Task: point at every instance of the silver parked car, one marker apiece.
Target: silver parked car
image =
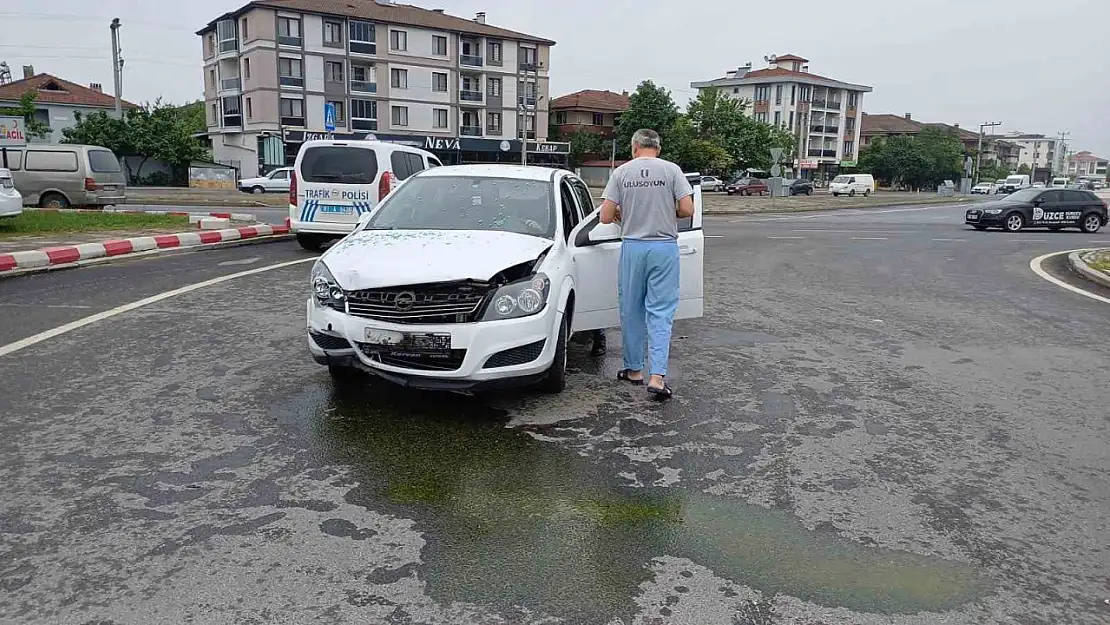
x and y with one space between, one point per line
712 183
276 181
59 176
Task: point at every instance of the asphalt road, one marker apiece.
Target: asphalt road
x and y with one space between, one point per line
883 418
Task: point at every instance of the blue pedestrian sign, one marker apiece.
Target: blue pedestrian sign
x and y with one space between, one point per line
329 117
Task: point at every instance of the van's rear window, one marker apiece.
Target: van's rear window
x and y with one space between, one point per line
339 165
103 161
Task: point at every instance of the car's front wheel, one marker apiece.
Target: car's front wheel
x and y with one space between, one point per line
852 193
258 190
1014 222
1091 223
555 380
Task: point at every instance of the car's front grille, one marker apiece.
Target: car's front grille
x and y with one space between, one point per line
454 302
422 361
516 355
329 341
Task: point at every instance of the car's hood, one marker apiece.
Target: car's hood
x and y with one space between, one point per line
380 258
252 180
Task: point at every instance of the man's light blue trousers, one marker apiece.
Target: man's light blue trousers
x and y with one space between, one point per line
647 285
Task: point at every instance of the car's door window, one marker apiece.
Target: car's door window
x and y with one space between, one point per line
570 208
686 224
281 174
400 165
1050 198
416 163
433 162
585 200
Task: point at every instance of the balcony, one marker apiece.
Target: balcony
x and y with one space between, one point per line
364 86
296 122
363 47
363 124
229 45
834 104
289 40
832 130
233 119
230 84
471 60
470 131
817 103
471 96
824 153
291 81
529 100
529 66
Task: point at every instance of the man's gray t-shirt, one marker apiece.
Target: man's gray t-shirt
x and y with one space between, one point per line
647 191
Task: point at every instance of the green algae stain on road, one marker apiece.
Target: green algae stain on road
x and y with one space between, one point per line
511 521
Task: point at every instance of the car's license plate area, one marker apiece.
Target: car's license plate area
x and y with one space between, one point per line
335 209
394 342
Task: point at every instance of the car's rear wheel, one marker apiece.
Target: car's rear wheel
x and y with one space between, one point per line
809 191
866 192
1014 222
53 200
852 193
555 380
258 190
310 242
1091 223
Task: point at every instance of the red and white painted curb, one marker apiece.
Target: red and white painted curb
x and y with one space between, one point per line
232 216
73 253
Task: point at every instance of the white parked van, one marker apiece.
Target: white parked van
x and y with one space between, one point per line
1015 183
852 184
334 182
1060 183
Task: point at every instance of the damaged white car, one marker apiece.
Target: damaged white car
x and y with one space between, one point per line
474 276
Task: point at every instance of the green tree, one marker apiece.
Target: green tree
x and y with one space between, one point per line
584 143
650 106
1024 169
160 131
722 121
989 171
33 128
917 162
694 153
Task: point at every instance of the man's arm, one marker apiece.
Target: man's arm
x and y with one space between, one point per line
610 212
610 207
685 207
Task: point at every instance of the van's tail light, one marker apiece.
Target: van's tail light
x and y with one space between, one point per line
90 184
292 187
385 185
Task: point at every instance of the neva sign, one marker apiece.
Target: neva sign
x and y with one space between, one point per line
12 132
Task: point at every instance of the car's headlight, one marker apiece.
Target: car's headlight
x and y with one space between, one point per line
324 287
993 211
519 299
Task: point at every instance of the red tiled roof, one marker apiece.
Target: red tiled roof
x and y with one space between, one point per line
54 90
882 124
1086 156
392 13
791 57
591 100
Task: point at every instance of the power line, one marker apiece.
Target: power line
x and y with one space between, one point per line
61 17
130 59
48 47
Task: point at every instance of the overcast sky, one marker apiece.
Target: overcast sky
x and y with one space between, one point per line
1035 66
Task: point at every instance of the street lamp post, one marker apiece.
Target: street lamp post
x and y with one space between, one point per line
979 154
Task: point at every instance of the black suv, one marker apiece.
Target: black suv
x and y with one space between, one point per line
1054 209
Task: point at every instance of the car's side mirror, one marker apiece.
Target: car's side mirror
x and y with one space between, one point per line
1038 202
602 233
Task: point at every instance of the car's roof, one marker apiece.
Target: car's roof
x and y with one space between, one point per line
520 172
361 143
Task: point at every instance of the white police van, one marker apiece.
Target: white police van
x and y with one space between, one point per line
334 182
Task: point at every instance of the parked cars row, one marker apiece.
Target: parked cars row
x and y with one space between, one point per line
60 176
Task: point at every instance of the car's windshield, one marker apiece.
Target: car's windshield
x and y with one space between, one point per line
841 179
1014 180
1025 195
469 203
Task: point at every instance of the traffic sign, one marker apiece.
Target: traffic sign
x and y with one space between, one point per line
13 134
776 171
329 116
776 154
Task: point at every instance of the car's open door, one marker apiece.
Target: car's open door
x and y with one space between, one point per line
595 249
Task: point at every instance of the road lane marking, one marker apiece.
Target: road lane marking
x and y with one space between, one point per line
714 236
9 305
244 261
869 238
857 231
1028 240
1035 265
1099 242
785 237
849 212
950 240
35 339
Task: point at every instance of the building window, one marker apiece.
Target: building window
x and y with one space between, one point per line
763 93
470 125
399 78
493 123
530 123
333 33
849 149
494 86
211 44
364 114
289 31
804 93
225 32
333 71
778 94
399 116
471 85
849 124
599 119
560 117
778 118
439 82
340 118
398 40
214 119
736 89
212 78
761 117
362 36
853 99
232 115
243 32
495 51
793 91
439 45
291 72
250 109
439 118
362 79
291 111
791 119
246 69
528 59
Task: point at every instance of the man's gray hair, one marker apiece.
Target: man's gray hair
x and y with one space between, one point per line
647 138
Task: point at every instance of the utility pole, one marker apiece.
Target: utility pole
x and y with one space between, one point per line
116 66
1061 153
979 154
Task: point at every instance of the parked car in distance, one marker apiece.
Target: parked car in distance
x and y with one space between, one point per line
852 185
799 186
334 182
1038 185
1060 183
276 181
1054 209
747 186
983 188
712 183
998 185
473 277
64 175
11 202
1013 183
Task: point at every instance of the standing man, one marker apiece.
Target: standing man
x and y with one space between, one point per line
647 196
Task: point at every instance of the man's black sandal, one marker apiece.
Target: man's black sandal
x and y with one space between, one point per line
660 394
623 375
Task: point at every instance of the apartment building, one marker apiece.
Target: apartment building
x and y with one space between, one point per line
822 113
1086 165
589 110
1039 152
467 90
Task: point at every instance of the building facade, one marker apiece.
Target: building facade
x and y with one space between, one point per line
1039 152
469 91
589 110
1086 165
58 103
822 113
